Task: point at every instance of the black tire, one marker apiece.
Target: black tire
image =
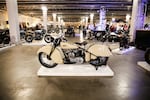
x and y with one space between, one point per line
103 39
6 40
110 39
29 38
147 56
46 61
48 38
1 40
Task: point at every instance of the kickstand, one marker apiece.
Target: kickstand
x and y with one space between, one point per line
96 67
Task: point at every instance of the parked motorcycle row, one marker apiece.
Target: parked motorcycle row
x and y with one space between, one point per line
30 35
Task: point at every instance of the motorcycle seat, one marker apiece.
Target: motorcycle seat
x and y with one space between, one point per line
81 43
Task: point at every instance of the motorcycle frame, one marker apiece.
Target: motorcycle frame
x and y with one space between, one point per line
63 56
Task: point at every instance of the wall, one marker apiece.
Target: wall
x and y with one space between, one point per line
3 19
32 21
22 18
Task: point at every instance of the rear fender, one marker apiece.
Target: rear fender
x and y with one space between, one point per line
98 50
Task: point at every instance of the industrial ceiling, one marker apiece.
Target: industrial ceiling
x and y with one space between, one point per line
74 10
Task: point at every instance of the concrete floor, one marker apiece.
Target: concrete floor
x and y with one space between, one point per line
19 80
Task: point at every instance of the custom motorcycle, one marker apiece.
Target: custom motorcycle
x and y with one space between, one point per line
59 52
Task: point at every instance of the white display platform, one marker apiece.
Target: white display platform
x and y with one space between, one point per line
118 51
36 42
6 47
75 70
144 65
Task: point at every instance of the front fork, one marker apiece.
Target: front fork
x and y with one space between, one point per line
53 48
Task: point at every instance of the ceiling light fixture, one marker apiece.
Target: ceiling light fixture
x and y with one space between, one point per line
54 14
91 15
113 19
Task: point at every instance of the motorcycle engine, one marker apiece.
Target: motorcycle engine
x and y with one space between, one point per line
74 56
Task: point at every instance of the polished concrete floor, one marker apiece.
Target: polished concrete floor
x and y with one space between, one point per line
19 80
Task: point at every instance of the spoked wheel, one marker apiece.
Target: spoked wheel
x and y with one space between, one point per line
29 38
147 56
48 39
46 61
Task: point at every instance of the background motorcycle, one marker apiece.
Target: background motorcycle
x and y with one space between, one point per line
37 35
70 31
4 36
64 53
122 37
22 34
147 55
51 36
124 41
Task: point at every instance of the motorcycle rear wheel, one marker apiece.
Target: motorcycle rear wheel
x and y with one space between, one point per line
46 61
147 56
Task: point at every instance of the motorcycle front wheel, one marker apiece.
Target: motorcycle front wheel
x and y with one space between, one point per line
147 56
29 38
48 39
46 61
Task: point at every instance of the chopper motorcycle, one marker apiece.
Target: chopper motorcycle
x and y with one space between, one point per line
59 52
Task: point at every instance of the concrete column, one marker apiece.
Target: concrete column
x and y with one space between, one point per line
128 18
13 20
102 20
137 18
81 36
59 23
86 21
54 20
91 18
44 10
